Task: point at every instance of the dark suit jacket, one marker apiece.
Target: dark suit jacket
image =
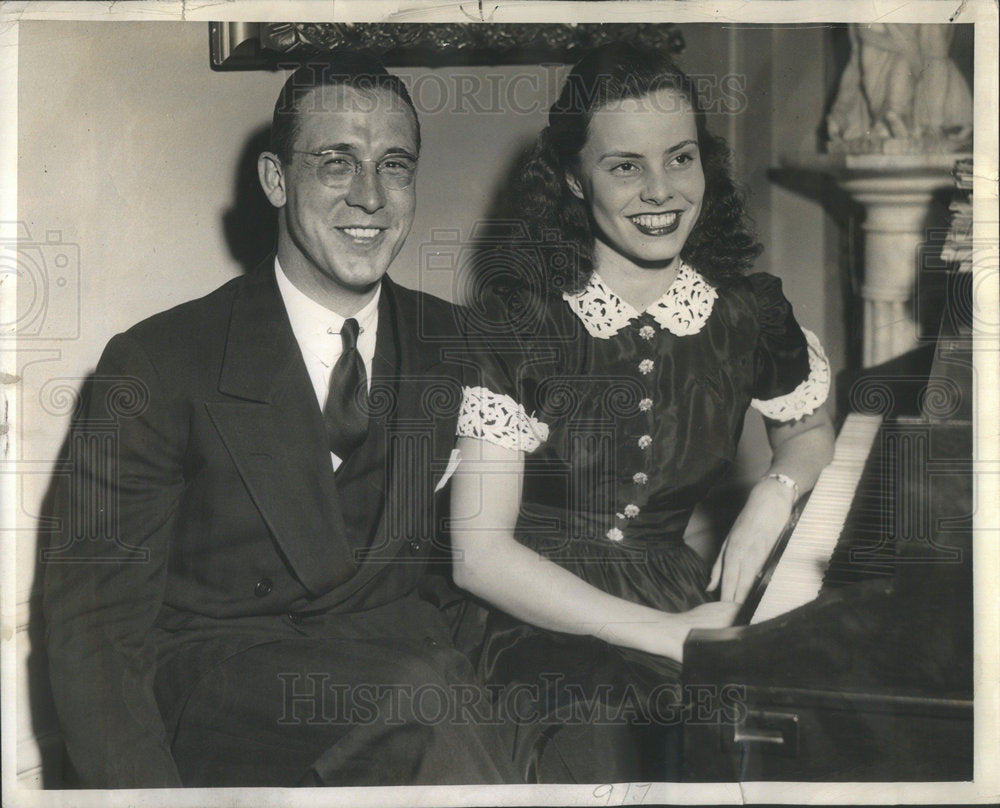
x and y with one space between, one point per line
201 506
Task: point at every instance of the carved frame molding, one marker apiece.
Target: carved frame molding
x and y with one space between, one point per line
276 45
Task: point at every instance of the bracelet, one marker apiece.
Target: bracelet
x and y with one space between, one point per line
786 481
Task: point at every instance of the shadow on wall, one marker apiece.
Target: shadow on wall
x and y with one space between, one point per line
250 224
501 254
56 771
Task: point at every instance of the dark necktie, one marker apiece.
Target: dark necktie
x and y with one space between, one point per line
346 410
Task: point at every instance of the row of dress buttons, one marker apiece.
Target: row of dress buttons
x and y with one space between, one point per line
640 478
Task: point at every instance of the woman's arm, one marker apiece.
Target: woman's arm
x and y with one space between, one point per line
802 449
490 563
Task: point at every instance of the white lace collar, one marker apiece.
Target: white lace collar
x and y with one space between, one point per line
684 308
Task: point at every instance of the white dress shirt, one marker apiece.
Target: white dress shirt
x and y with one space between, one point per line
317 332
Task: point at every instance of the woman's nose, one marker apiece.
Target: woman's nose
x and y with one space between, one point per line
656 187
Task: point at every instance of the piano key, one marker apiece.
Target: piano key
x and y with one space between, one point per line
799 573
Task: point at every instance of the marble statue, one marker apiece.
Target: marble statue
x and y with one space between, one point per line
900 93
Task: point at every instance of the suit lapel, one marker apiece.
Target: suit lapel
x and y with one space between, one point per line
411 433
428 391
393 404
274 432
406 370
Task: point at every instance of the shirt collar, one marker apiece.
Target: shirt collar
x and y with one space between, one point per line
682 310
314 324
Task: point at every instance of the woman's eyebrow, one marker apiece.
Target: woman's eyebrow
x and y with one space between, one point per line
682 144
636 155
630 155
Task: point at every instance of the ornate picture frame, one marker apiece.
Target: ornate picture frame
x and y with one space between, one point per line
272 45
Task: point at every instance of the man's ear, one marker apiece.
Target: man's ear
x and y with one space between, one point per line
574 185
271 173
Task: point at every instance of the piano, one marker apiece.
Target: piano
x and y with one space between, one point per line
852 658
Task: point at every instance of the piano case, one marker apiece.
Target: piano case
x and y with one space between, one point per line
872 680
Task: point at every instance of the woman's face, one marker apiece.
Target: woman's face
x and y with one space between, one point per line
640 176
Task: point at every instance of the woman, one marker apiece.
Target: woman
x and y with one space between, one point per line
611 398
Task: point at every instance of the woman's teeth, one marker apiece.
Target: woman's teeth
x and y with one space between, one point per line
654 222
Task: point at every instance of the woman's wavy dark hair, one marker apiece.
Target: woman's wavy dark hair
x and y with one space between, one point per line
722 244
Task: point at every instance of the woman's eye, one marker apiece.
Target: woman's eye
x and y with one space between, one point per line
684 158
624 169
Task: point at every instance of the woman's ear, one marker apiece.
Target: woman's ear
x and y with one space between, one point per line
574 185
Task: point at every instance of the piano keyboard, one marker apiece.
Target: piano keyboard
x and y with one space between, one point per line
798 575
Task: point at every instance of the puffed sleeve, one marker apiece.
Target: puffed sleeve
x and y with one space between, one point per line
791 372
498 391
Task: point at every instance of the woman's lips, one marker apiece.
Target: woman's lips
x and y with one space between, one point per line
656 224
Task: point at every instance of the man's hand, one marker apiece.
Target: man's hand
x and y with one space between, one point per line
748 544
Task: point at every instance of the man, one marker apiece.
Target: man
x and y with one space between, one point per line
235 598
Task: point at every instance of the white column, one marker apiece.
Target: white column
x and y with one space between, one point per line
896 191
896 210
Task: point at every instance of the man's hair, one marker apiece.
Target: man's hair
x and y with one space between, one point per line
356 69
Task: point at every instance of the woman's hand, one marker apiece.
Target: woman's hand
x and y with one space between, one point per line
802 449
748 544
676 626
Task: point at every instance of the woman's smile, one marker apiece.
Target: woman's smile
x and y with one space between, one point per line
656 224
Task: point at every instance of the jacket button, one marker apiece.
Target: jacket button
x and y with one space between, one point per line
263 588
416 545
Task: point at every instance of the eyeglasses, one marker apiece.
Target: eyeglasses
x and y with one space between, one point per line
337 169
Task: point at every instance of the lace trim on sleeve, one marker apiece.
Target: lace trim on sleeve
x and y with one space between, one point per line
500 420
808 396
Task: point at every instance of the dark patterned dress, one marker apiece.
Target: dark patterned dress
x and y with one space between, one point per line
626 420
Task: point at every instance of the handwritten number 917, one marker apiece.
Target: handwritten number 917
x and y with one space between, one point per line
633 793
